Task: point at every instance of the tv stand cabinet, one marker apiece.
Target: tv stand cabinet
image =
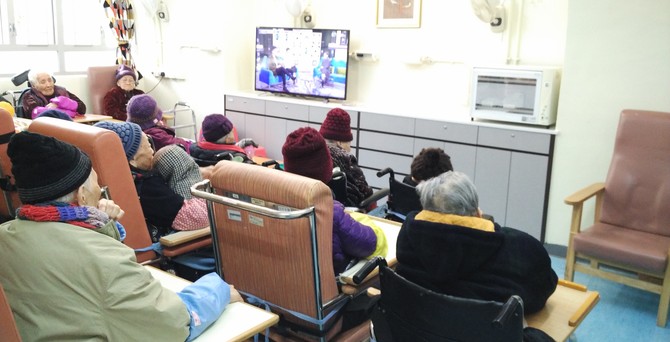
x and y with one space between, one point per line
509 164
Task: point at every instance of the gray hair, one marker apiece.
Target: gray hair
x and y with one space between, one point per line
32 75
69 198
230 135
451 192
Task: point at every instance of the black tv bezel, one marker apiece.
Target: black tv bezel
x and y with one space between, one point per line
280 92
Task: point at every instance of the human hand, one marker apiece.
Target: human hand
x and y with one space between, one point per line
246 142
52 105
206 171
234 295
111 209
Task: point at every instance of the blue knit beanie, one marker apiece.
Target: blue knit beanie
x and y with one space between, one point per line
54 113
130 134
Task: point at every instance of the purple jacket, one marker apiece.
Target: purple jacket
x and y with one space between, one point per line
163 136
351 240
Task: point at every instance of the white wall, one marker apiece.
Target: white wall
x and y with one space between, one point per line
617 56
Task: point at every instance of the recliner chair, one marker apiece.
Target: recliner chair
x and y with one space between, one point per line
273 240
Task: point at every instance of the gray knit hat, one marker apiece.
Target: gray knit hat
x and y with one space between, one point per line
130 134
177 168
45 168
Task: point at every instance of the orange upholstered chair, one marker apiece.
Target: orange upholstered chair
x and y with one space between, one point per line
109 161
631 227
273 239
9 200
8 330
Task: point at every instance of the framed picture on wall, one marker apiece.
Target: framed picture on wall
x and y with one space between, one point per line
399 13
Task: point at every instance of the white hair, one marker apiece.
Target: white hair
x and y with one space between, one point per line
71 197
33 73
451 192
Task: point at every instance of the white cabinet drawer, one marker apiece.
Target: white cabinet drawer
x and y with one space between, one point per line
514 140
386 142
446 131
387 123
287 110
245 104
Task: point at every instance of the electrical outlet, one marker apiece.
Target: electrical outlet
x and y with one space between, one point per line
158 73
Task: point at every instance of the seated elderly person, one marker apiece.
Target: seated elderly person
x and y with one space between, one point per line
166 203
429 163
115 101
448 248
336 129
305 153
45 94
217 139
143 110
63 261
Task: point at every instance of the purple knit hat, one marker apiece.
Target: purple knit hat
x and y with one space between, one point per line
124 70
337 126
215 127
306 153
143 110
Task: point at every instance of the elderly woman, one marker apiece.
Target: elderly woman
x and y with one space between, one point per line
45 94
448 248
144 111
116 99
430 162
162 182
336 129
63 259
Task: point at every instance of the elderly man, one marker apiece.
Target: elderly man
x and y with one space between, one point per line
448 248
45 94
65 271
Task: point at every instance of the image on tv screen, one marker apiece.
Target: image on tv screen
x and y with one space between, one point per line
307 62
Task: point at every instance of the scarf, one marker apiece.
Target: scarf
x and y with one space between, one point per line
81 216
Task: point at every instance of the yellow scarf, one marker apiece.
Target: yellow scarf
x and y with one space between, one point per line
463 221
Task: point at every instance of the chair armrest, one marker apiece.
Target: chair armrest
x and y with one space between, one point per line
181 237
585 193
377 195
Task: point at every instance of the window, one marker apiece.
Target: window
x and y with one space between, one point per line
64 36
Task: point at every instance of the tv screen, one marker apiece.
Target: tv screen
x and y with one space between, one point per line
302 62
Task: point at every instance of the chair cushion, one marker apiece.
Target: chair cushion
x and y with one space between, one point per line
627 247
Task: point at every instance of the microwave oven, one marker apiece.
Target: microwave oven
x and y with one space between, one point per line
519 94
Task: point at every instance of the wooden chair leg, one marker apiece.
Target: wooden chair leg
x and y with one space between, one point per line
664 301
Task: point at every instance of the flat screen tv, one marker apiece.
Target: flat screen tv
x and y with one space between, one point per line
302 62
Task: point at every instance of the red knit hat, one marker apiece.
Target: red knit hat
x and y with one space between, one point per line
306 153
337 126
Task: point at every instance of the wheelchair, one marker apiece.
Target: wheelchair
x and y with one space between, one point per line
409 312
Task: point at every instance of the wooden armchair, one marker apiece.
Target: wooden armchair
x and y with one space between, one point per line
273 240
631 227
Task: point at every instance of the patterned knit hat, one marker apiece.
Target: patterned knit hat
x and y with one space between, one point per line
429 163
306 153
177 168
55 113
46 168
337 126
130 134
215 127
124 70
143 110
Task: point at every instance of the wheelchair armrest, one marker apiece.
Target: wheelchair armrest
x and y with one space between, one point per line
377 195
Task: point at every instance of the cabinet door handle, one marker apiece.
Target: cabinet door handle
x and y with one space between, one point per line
445 127
512 135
